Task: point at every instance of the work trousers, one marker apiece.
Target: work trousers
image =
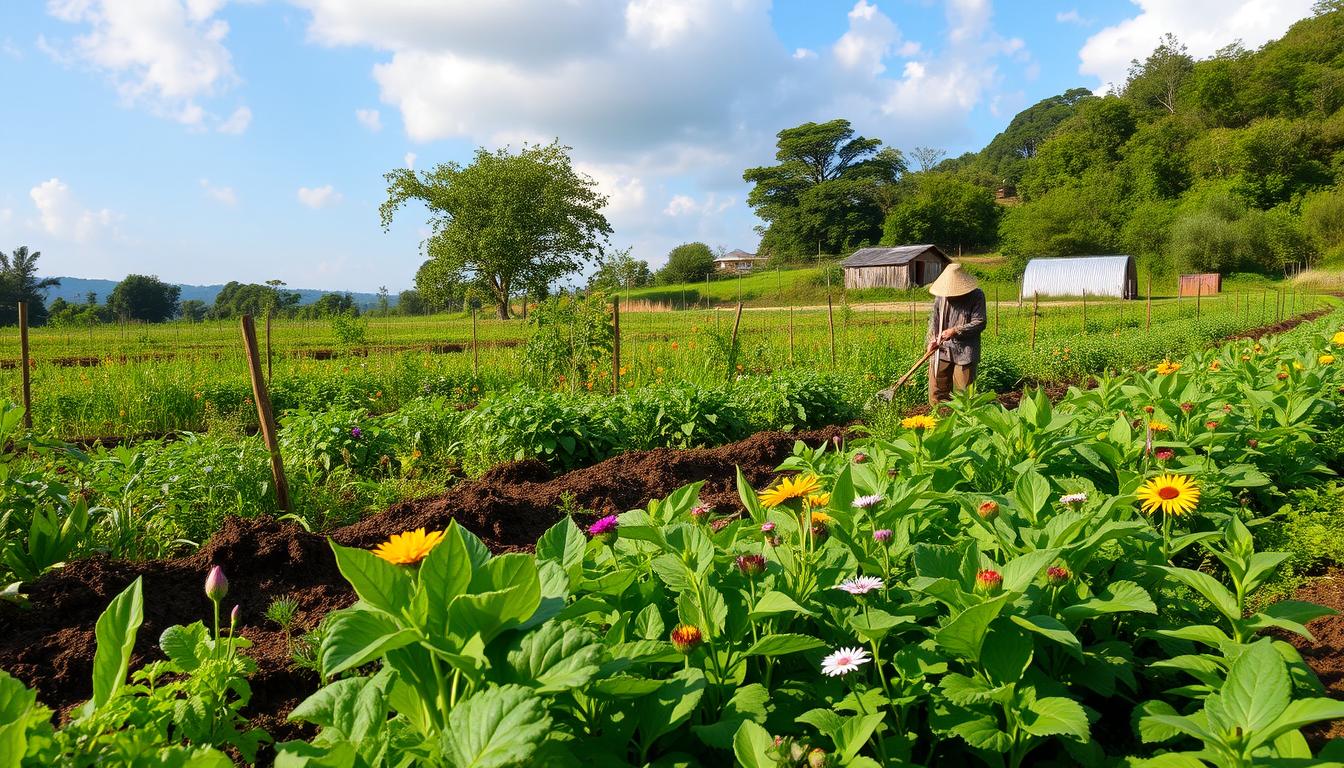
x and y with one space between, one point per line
946 377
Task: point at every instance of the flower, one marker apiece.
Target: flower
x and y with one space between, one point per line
1282 375
820 518
1157 426
1187 407
1215 366
819 500
988 509
1148 409
860 457
1056 575
1164 454
919 423
1167 367
767 527
882 535
844 661
1074 500
859 585
408 548
1338 339
686 638
604 530
796 487
817 758
216 585
356 432
864 502
988 581
1172 494
700 511
1210 424
1325 359
234 615
751 565
1253 443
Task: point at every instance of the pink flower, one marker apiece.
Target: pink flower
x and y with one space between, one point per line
751 565
1164 454
216 585
864 502
860 457
604 529
1056 575
844 661
989 582
699 512
882 535
859 585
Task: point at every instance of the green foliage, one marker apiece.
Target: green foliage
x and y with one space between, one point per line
19 282
570 339
144 298
621 271
349 328
687 263
944 210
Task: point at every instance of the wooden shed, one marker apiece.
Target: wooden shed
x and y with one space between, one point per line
905 266
1206 284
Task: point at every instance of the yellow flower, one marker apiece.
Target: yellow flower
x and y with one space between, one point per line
1338 339
408 548
1157 426
1167 367
796 487
821 518
1170 494
1325 359
819 499
1297 366
919 423
1215 366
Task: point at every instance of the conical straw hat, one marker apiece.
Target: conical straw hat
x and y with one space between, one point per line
954 281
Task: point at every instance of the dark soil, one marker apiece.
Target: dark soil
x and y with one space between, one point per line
50 644
1325 656
90 361
1281 326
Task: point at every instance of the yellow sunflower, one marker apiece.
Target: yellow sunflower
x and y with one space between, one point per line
821 518
1166 367
1338 339
919 423
1325 359
1171 494
796 487
1157 426
819 500
1215 366
408 548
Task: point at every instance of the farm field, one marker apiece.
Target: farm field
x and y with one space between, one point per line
1067 582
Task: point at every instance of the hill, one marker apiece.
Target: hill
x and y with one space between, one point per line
75 289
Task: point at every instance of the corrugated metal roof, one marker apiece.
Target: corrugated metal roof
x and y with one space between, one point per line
888 257
1077 275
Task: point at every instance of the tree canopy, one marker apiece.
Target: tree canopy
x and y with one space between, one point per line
686 263
504 223
19 282
145 298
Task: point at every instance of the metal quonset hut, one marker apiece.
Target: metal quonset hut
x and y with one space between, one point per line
904 266
1114 276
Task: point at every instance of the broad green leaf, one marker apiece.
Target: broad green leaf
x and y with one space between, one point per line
495 728
1006 653
564 543
354 707
856 732
625 686
1299 713
1117 597
747 705
379 583
16 705
964 634
1257 688
186 646
444 574
749 500
1051 629
1153 731
664 710
779 645
115 633
774 603
750 745
356 637
649 624
1056 716
1023 570
555 658
1211 589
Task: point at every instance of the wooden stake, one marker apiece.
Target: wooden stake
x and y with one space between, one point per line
732 344
475 348
1199 294
268 346
1035 307
616 343
790 333
997 323
830 320
264 415
1148 310
23 362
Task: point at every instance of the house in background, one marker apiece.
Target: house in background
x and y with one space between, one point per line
905 266
1113 276
738 262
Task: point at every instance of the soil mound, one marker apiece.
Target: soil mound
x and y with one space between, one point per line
50 643
1326 655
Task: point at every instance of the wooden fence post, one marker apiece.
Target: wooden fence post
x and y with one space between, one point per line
264 414
1035 306
616 343
732 345
1264 303
998 326
268 346
1199 294
26 366
1084 312
475 348
790 333
830 319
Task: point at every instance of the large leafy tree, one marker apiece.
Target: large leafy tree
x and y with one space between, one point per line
1007 153
620 271
686 263
823 195
145 298
236 299
945 210
1155 82
19 282
505 222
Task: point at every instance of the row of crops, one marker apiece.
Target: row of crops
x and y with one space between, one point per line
153 380
1072 583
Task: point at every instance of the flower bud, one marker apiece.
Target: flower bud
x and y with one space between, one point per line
1148 409
686 638
988 510
1056 575
988 582
1253 443
1187 407
1164 454
817 759
700 512
767 528
882 535
1210 424
234 615
216 585
860 457
751 565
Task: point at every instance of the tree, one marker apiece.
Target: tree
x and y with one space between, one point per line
943 210
19 282
1007 154
1155 82
686 263
1323 219
236 299
384 301
927 157
193 310
440 287
823 194
410 303
331 305
145 298
506 221
620 271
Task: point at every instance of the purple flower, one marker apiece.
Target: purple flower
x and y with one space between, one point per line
356 432
859 585
871 500
216 585
604 529
882 535
767 527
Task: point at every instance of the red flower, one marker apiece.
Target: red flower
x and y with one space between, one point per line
1164 454
988 509
686 638
1056 575
751 565
989 582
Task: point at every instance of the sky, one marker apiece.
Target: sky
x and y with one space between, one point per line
213 140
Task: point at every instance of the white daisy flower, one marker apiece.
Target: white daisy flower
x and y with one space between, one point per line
860 585
864 502
844 661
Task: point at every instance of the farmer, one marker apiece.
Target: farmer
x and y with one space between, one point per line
955 324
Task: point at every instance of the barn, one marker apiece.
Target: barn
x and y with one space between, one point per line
1114 276
904 266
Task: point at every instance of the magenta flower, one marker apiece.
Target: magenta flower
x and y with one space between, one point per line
767 527
356 432
604 529
234 615
216 585
882 535
859 585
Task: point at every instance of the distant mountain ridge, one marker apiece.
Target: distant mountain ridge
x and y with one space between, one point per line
74 289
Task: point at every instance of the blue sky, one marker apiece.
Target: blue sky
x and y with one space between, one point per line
213 140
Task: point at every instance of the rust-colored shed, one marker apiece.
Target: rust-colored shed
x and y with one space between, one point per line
1206 284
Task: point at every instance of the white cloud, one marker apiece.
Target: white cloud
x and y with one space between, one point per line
370 118
223 195
870 38
685 205
61 216
804 53
165 55
319 197
237 122
410 160
1203 26
11 50
1072 16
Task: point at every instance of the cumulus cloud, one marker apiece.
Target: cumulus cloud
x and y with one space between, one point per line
1203 26
319 197
166 55
1072 16
237 122
370 118
60 215
224 195
686 205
